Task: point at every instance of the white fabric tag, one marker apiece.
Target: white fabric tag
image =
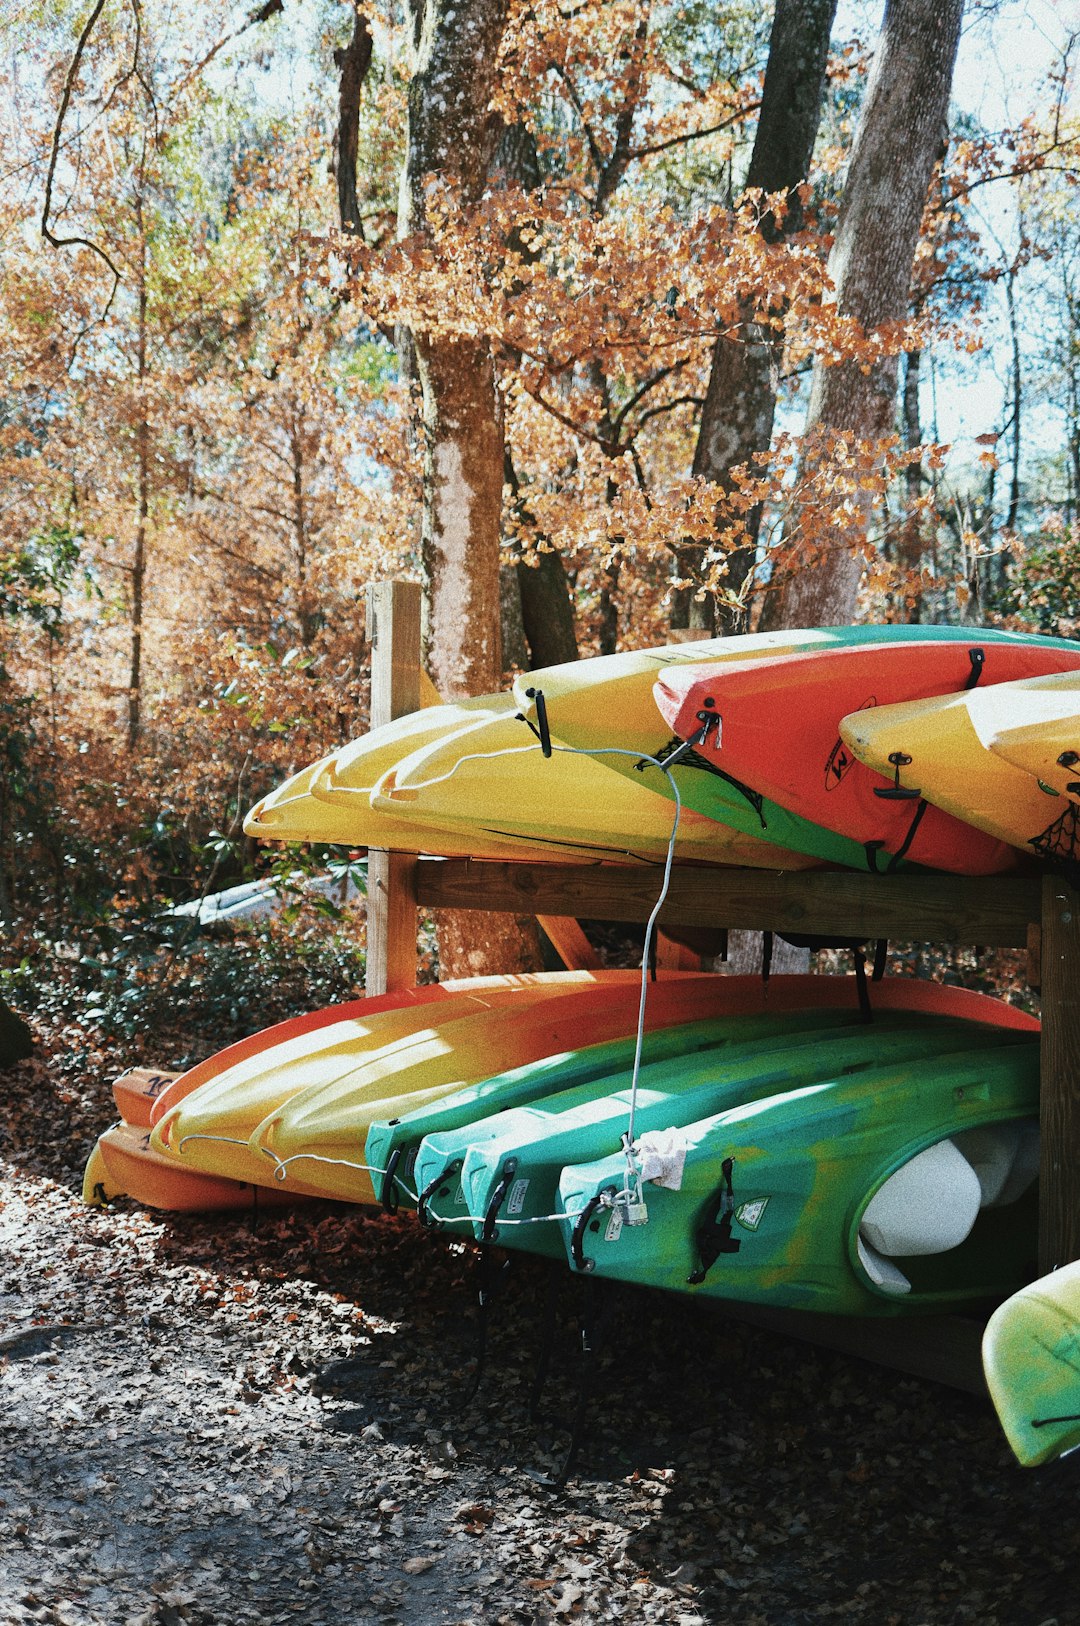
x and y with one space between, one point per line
661 1156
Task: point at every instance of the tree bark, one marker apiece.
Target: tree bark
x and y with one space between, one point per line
450 143
353 63
901 134
740 399
142 505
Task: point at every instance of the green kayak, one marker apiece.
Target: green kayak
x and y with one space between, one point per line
608 702
392 1143
1031 1356
501 1175
904 1187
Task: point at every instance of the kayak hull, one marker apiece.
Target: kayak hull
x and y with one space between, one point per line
774 1198
817 777
1031 1357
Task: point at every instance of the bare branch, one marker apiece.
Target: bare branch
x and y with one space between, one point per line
65 101
259 14
650 383
696 135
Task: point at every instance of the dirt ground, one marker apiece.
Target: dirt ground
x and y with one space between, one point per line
224 1422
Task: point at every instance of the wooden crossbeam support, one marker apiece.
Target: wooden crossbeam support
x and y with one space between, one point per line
932 908
393 626
1059 1178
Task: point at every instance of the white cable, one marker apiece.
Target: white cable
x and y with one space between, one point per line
632 1179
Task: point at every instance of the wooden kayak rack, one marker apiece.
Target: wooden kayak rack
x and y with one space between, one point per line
1038 913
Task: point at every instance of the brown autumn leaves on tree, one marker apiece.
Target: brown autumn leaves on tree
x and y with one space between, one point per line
502 284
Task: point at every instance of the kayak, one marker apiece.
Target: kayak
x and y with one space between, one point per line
124 1163
932 746
813 773
298 1112
1036 727
1031 1357
393 1143
136 1091
508 1167
900 1188
491 778
608 703
310 807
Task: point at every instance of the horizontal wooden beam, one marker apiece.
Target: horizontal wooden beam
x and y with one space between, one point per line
993 912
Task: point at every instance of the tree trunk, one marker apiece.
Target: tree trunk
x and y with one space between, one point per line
547 610
546 601
142 510
740 399
450 139
901 133
448 151
353 63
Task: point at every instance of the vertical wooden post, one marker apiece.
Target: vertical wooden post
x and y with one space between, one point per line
393 626
1059 1175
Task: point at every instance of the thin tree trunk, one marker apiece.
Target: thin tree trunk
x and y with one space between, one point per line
353 63
1015 419
142 511
740 399
902 130
304 616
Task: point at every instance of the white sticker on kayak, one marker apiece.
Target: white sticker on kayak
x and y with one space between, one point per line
749 1215
516 1200
614 1226
459 1196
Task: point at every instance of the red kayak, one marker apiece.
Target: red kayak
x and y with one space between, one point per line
776 730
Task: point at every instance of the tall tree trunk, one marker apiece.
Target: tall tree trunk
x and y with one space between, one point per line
740 399
902 131
353 63
450 140
142 509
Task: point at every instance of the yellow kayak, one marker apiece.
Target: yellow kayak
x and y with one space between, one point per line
330 799
224 1098
291 813
1035 725
931 746
492 777
301 1117
1031 1357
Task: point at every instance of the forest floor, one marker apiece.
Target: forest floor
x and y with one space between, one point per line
217 1422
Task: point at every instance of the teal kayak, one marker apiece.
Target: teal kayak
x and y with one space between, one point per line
501 1176
392 1143
907 1186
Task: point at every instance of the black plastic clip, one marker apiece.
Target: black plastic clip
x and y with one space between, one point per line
896 792
977 657
388 1191
714 1235
537 697
509 1169
423 1212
